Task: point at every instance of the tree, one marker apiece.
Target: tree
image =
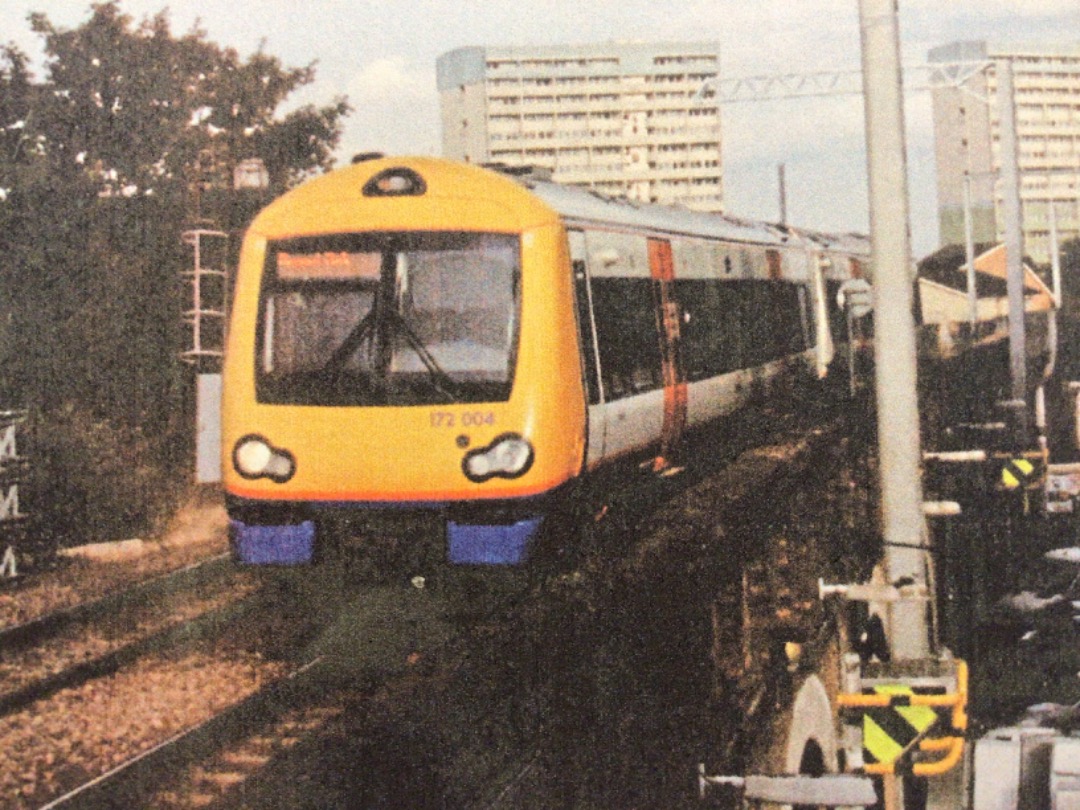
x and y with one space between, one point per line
134 133
98 164
16 94
143 112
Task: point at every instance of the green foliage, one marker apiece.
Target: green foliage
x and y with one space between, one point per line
132 136
15 106
97 480
143 112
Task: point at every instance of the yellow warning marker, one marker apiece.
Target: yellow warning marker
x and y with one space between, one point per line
1017 473
898 719
889 731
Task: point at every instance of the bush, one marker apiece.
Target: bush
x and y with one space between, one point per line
94 480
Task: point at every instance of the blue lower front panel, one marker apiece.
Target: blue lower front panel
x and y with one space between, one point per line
273 545
471 544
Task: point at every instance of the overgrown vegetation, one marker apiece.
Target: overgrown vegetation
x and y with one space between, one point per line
130 136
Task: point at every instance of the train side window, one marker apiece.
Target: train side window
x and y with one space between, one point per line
711 342
624 307
627 334
585 324
756 321
787 319
774 320
773 327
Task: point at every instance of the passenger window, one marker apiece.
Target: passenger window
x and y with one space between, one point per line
586 335
625 307
629 342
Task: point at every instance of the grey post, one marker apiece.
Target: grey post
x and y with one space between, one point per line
899 440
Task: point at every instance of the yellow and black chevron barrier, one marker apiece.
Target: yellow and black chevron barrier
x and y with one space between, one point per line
890 730
897 719
1020 472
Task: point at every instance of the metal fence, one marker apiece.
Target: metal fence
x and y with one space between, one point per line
15 538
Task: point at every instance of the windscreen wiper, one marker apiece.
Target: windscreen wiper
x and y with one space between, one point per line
365 330
361 332
441 381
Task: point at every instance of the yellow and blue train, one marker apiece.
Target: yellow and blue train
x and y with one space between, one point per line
412 336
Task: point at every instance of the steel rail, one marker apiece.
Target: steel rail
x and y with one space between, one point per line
127 783
211 623
37 630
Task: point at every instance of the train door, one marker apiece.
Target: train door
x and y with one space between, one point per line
590 358
624 298
669 319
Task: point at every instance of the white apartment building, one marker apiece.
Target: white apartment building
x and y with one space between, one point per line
625 119
1046 92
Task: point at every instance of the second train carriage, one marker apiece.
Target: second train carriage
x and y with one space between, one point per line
419 337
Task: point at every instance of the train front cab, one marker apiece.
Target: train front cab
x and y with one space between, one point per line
401 353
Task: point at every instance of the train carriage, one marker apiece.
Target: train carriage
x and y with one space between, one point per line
419 337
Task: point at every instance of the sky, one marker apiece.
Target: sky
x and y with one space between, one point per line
381 55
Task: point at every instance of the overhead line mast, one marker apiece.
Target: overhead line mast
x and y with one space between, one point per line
814 84
899 447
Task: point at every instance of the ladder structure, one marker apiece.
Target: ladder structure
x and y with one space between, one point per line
207 319
209 287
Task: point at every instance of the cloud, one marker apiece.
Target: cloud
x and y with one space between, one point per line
384 61
772 129
395 108
391 79
1016 8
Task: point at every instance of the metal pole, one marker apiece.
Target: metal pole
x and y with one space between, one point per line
899 442
1051 318
782 180
1014 246
1055 247
850 352
1077 201
969 248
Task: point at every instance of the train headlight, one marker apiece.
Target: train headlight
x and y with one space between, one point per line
254 457
509 456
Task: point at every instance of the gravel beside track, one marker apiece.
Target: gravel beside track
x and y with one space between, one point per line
70 660
196 533
77 734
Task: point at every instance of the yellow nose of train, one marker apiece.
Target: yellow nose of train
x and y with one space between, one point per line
403 336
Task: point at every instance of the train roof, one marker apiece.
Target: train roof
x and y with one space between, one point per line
585 206
327 202
432 196
582 205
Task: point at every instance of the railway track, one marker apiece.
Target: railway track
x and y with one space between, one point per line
273 710
609 684
174 634
133 667
70 647
38 630
256 752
